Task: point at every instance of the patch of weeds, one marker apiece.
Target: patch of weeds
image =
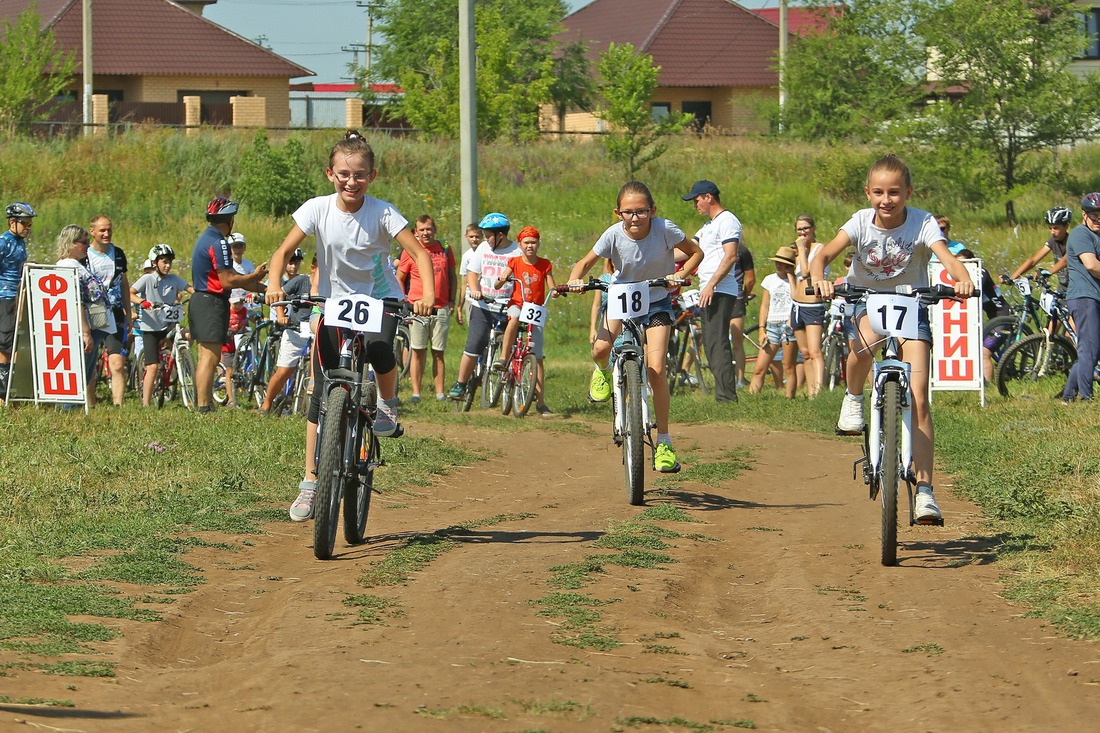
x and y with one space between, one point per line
762 529
662 635
729 466
661 649
43 701
145 566
635 558
664 681
664 512
575 608
397 506
844 594
78 668
444 713
738 723
396 567
575 575
637 721
556 708
630 541
751 697
373 609
931 649
156 599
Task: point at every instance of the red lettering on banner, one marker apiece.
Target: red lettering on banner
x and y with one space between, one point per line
55 309
959 344
957 371
59 358
946 279
53 285
59 383
57 334
953 322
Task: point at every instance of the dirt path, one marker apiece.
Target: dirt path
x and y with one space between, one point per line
788 621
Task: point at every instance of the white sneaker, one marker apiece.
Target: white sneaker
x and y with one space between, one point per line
851 414
302 508
925 509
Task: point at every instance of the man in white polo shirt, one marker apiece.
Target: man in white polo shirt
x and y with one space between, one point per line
718 239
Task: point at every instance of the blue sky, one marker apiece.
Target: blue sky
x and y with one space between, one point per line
312 32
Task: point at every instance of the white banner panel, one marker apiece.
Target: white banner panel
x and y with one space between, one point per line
56 336
956 334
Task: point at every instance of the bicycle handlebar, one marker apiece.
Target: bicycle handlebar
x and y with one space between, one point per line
853 293
594 284
402 308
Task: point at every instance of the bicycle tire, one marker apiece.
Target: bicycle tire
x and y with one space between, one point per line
494 380
889 469
301 386
221 392
701 367
1012 331
672 356
633 434
526 387
1030 359
331 478
507 382
402 351
360 484
833 355
185 364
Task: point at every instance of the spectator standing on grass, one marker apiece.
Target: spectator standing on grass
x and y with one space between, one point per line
808 315
462 302
108 263
13 255
744 269
213 276
431 331
718 238
775 324
72 250
161 287
1083 298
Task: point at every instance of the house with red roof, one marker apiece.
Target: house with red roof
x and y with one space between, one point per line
716 57
157 51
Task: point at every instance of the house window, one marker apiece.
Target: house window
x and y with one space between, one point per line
700 111
661 110
1091 19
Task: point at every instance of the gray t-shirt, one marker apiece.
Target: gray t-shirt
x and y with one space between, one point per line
1082 284
642 259
157 289
1058 249
295 287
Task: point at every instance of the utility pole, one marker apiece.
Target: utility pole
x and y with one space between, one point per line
782 55
467 104
354 48
370 35
86 65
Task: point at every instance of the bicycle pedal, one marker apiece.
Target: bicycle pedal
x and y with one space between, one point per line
929 522
848 432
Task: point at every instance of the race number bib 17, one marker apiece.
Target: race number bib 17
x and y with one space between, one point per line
355 312
533 313
893 315
627 300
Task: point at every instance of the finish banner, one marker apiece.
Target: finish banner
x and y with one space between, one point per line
957 334
57 342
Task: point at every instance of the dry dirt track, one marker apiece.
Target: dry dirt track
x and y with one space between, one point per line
789 621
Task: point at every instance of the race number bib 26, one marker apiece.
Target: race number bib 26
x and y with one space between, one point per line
533 313
355 312
627 300
893 315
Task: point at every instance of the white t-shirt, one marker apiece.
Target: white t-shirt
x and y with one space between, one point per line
642 259
490 264
157 289
886 257
353 250
712 238
244 267
464 267
779 288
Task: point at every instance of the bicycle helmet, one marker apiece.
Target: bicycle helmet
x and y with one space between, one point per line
298 254
235 238
221 206
1091 202
1058 215
19 210
494 220
161 250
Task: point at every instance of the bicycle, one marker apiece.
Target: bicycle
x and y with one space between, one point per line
483 368
887 437
177 363
834 347
519 381
294 397
254 361
685 346
632 424
348 451
1050 352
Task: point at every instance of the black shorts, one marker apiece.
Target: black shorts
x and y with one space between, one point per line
480 324
209 318
7 325
150 345
739 306
327 354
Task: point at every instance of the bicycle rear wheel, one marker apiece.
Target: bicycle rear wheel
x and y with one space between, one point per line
889 468
833 356
331 475
525 388
469 398
1032 359
301 386
507 382
633 430
185 365
494 380
221 393
402 351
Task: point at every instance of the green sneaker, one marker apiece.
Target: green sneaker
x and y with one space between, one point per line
458 391
599 386
664 459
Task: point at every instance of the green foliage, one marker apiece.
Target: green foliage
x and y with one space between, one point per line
273 180
32 70
627 82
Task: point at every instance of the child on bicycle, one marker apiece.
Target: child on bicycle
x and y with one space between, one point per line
641 247
353 232
157 287
293 341
893 244
532 275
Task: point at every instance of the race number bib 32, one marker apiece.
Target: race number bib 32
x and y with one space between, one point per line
355 312
893 315
533 313
627 300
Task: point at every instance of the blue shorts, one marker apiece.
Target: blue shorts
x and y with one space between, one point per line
807 314
660 314
779 333
924 326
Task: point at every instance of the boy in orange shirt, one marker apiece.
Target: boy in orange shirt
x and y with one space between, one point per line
532 276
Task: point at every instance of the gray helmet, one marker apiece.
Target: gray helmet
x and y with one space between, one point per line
1058 215
161 250
19 210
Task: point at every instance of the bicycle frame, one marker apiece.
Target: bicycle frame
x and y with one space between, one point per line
890 367
632 347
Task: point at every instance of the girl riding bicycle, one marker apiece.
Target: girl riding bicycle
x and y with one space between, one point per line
641 247
353 233
893 244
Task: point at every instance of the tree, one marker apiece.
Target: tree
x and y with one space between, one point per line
573 86
515 62
33 71
1011 62
627 82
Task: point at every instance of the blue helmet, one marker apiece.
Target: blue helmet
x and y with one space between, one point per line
1091 202
494 220
19 210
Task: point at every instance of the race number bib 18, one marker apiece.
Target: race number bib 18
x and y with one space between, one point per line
690 298
893 315
533 313
355 312
173 313
627 300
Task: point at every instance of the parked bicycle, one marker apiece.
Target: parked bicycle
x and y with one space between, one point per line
632 424
177 363
483 374
834 346
685 364
254 361
1048 353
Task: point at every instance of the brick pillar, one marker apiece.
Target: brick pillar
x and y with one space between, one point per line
100 114
192 114
353 113
249 111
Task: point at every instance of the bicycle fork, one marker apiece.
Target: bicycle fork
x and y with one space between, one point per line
887 371
617 399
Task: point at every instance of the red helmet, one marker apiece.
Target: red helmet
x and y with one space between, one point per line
221 206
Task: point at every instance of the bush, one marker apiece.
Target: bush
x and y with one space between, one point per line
273 181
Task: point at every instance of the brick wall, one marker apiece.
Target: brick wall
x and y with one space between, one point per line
249 111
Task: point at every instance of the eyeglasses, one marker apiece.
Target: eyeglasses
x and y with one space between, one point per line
640 213
1093 215
802 229
24 222
345 177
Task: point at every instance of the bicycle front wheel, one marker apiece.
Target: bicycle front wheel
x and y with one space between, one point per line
1031 359
526 386
185 364
889 468
221 393
494 380
360 484
331 474
833 355
633 430
507 382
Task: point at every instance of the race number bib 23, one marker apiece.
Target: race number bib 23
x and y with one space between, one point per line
533 313
356 312
627 300
173 313
893 315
